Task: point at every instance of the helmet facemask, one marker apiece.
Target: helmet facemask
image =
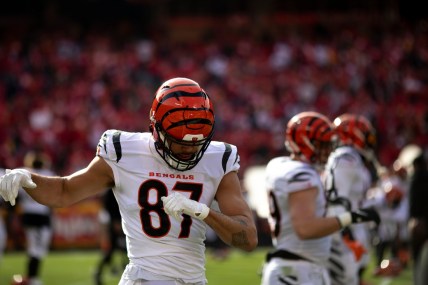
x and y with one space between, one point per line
163 147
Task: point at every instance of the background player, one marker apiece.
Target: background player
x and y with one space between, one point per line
112 236
35 220
300 230
348 176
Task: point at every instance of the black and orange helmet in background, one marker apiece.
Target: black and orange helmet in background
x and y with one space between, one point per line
356 131
310 136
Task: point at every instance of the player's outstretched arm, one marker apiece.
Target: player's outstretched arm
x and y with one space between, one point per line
308 225
62 191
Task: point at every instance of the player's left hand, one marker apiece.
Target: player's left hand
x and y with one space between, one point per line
361 215
12 181
176 204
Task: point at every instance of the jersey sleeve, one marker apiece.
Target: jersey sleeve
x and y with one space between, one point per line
231 159
109 145
288 176
301 178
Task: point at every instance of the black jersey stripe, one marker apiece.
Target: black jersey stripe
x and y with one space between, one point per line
226 155
335 264
300 177
283 279
117 146
236 159
105 142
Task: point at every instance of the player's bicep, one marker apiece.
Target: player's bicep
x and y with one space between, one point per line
93 179
302 206
230 197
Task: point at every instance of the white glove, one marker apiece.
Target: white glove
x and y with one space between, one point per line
176 204
12 181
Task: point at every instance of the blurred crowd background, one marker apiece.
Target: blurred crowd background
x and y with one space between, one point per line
71 69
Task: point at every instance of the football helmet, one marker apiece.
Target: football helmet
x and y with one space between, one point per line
356 131
310 136
393 195
182 114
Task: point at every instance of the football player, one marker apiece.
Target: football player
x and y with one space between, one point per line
390 197
3 232
300 229
164 182
112 238
35 220
348 177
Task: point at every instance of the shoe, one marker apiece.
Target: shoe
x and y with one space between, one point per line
17 279
388 268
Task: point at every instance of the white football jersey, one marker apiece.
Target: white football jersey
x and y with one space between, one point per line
345 170
3 232
156 242
285 176
346 174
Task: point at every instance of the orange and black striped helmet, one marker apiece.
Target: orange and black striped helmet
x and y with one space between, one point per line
356 131
181 113
310 136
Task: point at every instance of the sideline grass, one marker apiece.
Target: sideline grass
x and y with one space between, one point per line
77 268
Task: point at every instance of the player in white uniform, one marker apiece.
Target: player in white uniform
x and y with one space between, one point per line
300 230
36 220
390 197
347 179
3 232
164 182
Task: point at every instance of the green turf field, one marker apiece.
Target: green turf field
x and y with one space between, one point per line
77 267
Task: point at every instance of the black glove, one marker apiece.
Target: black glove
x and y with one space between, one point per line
365 215
342 201
359 216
